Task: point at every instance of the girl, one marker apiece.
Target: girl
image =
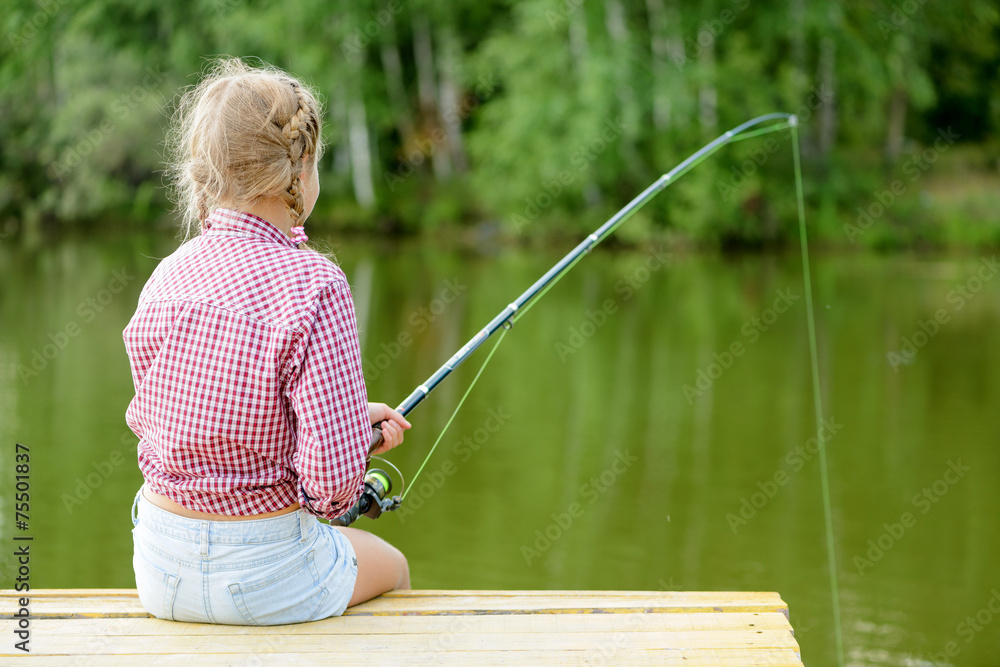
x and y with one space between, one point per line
250 406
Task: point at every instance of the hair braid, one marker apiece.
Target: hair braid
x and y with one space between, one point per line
301 132
202 205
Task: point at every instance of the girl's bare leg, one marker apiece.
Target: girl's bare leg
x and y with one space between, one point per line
381 566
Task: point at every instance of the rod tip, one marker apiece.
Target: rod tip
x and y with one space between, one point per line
793 120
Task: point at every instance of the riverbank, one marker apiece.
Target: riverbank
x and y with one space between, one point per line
954 207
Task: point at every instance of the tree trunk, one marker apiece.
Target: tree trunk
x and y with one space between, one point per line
338 123
797 38
828 106
396 89
660 49
675 35
614 20
360 147
450 96
578 47
707 94
897 125
423 55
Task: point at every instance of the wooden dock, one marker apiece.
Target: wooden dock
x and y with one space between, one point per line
109 627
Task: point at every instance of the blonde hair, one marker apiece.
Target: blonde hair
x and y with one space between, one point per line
240 136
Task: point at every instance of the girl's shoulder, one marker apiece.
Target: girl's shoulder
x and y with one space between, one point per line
280 284
312 268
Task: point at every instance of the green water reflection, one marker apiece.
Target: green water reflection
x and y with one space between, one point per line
580 461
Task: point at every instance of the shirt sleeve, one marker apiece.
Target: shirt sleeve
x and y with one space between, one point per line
330 406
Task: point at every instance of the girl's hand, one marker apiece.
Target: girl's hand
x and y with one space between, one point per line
393 424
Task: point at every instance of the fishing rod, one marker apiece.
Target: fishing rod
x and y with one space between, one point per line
375 498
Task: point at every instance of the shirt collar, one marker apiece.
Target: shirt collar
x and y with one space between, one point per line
227 222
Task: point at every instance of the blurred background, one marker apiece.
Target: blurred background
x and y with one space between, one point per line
430 107
470 145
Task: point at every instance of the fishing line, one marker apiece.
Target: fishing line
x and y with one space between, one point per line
447 425
831 552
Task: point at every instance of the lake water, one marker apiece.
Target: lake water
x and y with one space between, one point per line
646 426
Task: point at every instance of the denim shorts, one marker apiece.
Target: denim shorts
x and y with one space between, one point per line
286 569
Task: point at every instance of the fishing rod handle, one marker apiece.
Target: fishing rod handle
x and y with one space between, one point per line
376 440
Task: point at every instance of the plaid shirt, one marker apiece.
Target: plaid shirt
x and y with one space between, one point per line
248 387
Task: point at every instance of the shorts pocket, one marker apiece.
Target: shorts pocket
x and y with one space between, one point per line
157 589
289 593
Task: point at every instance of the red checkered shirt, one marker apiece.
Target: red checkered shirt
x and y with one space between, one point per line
247 370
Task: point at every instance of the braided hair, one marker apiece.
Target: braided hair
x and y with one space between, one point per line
301 131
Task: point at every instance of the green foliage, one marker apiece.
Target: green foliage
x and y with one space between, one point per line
541 116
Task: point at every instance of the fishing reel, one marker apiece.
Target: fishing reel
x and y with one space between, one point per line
374 498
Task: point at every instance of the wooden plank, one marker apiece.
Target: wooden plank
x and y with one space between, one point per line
453 641
686 657
484 607
70 592
57 604
572 602
9 597
430 624
768 596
